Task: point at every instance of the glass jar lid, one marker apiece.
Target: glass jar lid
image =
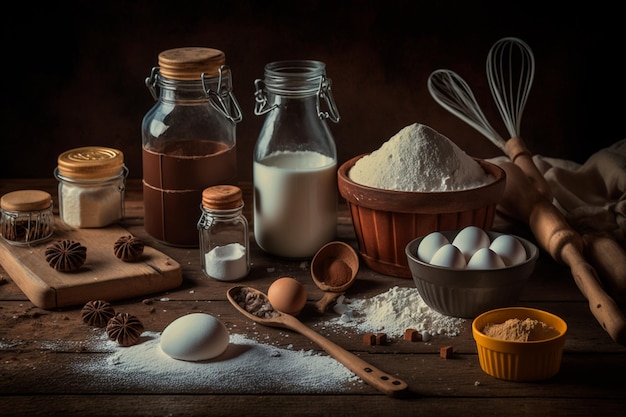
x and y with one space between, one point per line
26 200
189 63
91 162
222 197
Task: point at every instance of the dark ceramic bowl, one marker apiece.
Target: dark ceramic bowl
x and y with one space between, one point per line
467 293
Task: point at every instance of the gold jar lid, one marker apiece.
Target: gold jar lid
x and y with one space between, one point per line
190 62
91 162
222 197
26 200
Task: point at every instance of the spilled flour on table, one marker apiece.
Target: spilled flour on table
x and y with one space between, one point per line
393 312
246 366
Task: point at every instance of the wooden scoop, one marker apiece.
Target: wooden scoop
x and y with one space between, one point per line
254 304
522 200
333 269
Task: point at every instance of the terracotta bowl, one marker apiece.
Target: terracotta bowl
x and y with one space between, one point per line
385 221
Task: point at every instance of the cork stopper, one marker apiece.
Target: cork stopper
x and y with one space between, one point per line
91 162
26 200
189 63
222 197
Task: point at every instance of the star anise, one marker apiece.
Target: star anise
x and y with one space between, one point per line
125 329
66 255
97 313
128 248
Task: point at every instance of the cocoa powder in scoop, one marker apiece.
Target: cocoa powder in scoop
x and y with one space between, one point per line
339 273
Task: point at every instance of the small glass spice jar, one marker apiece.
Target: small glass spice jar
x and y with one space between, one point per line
92 182
26 217
223 234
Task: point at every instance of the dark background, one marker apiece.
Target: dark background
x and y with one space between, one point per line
73 73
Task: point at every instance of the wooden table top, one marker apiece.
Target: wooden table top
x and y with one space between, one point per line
44 353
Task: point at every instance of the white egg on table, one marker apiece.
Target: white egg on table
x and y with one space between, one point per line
485 258
509 248
430 244
195 337
470 239
449 256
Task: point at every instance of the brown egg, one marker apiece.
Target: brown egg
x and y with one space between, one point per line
286 294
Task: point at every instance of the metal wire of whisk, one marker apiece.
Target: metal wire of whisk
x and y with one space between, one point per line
510 77
451 91
510 72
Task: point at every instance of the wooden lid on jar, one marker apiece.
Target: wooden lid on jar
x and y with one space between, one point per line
190 63
90 163
26 200
222 197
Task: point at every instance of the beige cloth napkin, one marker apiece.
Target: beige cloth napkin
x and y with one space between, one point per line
591 196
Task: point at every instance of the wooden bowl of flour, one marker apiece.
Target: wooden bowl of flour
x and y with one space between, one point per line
385 221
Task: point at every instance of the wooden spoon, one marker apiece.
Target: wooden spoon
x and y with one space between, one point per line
254 304
523 201
333 269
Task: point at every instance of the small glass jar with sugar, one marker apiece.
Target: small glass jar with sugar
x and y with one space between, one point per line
224 241
92 181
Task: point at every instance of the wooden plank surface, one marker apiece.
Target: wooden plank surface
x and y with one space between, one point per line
41 349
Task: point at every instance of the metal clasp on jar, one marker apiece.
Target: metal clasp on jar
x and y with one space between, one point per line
324 91
223 100
151 82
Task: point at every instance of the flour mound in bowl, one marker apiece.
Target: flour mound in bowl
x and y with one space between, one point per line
418 158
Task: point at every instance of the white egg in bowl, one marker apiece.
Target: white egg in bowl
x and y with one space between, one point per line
468 292
195 337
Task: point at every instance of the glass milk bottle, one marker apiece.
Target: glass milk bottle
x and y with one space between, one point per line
188 140
295 160
223 229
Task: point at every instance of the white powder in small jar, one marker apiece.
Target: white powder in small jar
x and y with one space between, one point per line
226 263
90 207
419 159
92 180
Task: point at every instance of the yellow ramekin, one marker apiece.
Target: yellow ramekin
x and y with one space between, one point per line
519 361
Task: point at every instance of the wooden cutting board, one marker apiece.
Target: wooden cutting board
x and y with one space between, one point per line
103 276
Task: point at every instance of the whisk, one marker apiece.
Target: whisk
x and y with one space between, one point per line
455 95
510 73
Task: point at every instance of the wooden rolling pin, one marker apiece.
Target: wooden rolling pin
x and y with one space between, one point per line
606 255
554 234
609 259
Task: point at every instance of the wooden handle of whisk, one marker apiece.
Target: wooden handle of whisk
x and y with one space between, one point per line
556 236
517 152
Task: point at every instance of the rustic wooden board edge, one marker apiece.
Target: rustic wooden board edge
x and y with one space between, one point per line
166 274
37 291
155 272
